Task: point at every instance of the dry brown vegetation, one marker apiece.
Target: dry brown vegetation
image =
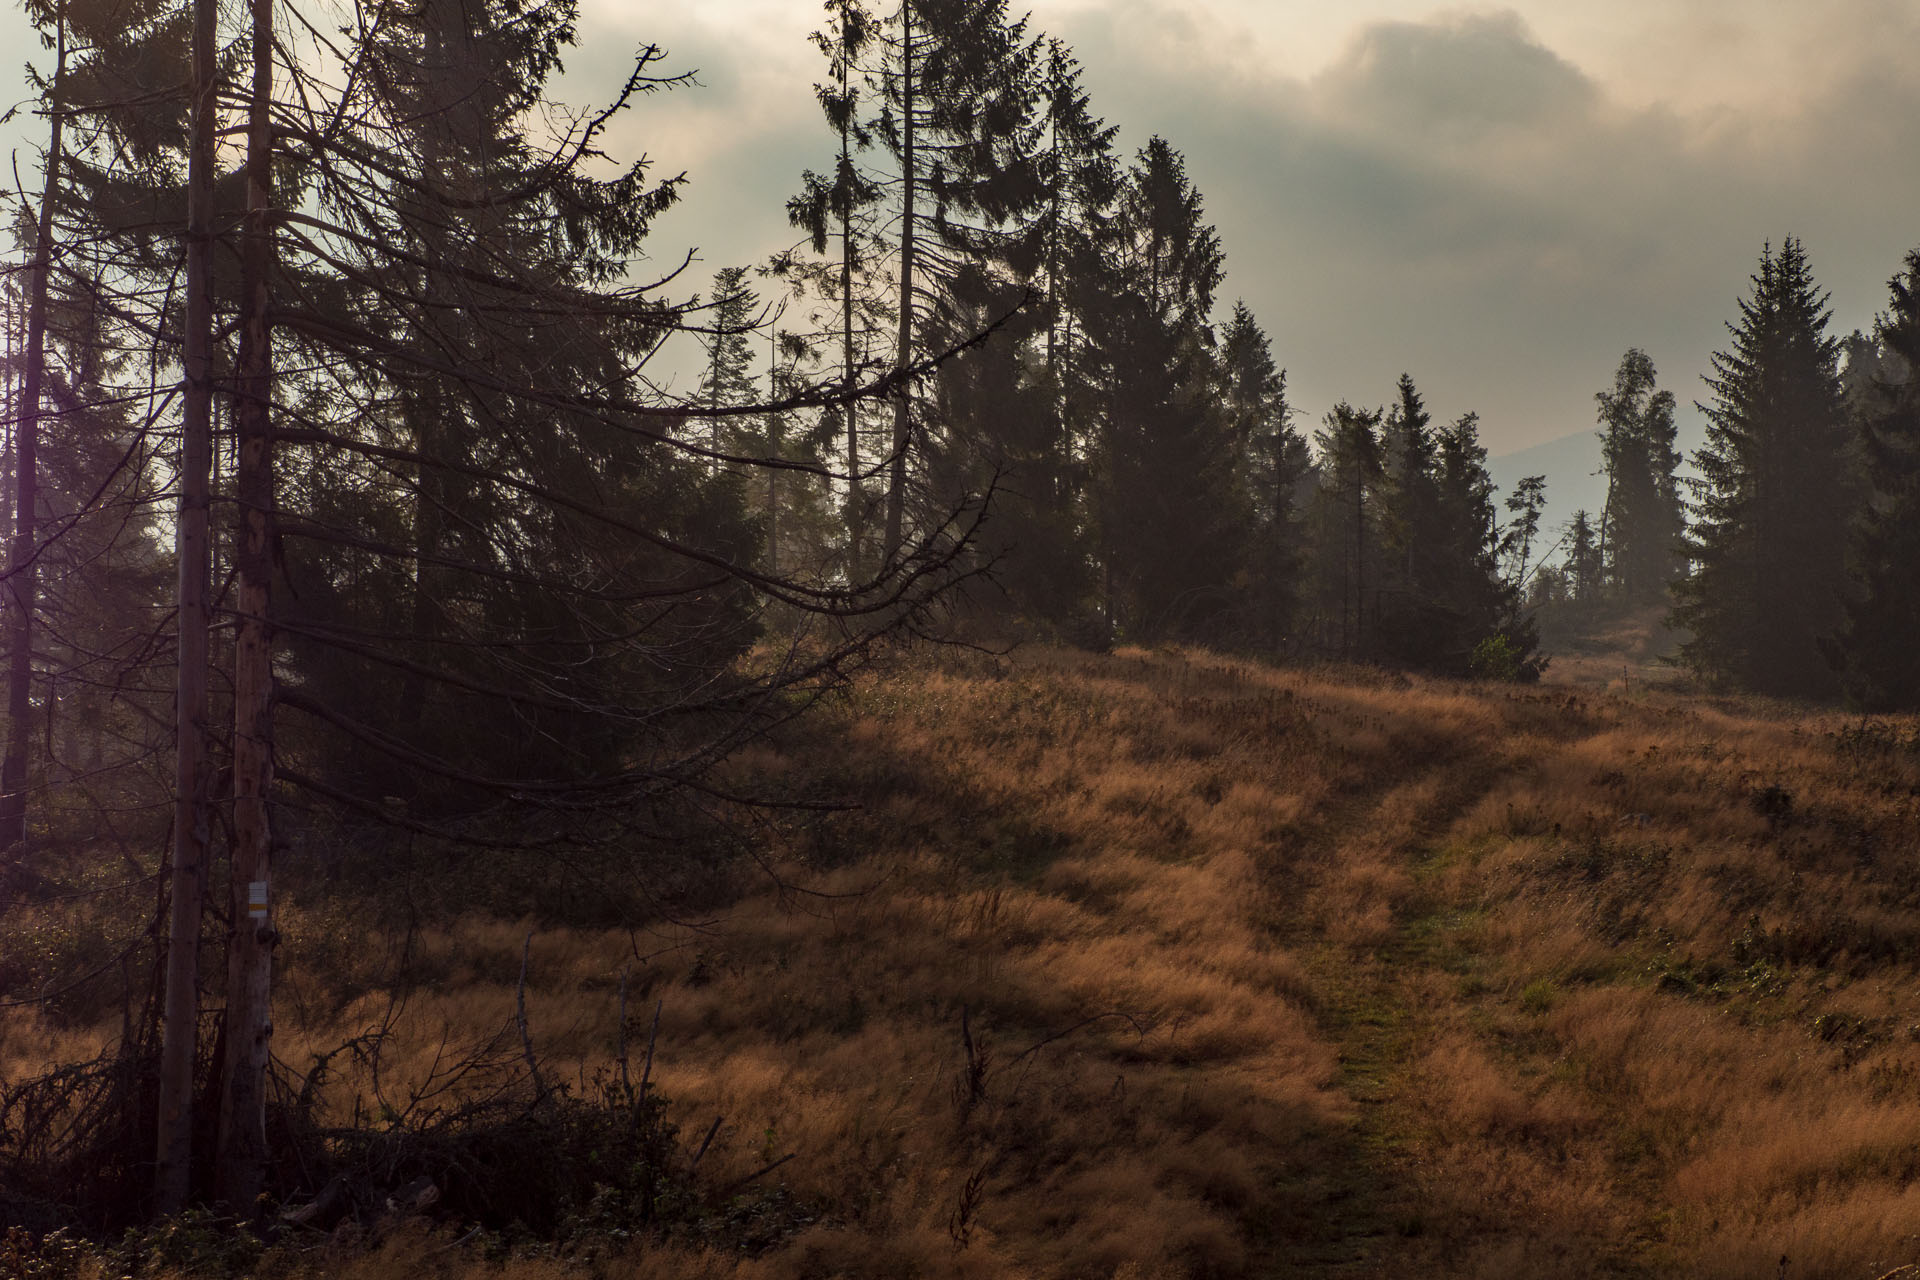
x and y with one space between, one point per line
1263 972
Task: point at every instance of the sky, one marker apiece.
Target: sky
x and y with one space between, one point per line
1499 200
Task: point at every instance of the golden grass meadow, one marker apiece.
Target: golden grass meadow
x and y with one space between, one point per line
1159 964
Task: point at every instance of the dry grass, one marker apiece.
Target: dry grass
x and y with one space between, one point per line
1314 973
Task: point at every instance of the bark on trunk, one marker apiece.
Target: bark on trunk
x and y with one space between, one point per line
903 354
776 443
180 1031
22 576
856 501
243 1140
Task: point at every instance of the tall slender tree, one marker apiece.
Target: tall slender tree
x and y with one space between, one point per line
240 1172
187 873
1270 458
1768 540
957 80
729 380
1172 512
1413 572
842 207
23 552
1352 471
1643 521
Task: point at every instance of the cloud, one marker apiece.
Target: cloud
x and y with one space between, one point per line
1454 198
1458 80
1499 212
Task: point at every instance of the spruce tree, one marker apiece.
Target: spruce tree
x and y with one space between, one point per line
1525 503
1768 540
1482 605
1414 573
728 380
957 86
1271 459
1874 652
841 210
1173 520
1643 521
1017 414
1583 557
1345 535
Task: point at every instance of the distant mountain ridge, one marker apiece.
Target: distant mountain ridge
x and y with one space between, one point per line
1571 465
1575 481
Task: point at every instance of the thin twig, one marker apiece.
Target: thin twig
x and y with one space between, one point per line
646 1074
526 1037
622 1053
704 1144
734 1186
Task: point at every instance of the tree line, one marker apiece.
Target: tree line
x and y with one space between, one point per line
1784 560
1153 483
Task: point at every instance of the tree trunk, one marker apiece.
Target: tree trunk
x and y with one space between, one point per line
776 431
1056 377
1359 557
22 572
446 70
242 1164
425 412
180 1031
856 501
903 354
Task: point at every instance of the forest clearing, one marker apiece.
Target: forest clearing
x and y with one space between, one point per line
1159 963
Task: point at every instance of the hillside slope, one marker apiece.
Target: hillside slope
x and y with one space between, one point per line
1162 964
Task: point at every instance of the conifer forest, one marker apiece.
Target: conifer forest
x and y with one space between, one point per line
529 752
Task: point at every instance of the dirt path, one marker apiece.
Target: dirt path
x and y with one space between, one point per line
1389 1199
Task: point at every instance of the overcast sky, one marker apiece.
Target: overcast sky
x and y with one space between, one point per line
1498 200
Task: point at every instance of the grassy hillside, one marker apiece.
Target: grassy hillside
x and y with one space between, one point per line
1166 965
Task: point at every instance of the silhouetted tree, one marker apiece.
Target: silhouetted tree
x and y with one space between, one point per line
1414 572
1171 514
1767 543
1584 563
957 84
728 380
1271 460
1643 522
1344 523
842 208
1874 651
1524 504
1480 605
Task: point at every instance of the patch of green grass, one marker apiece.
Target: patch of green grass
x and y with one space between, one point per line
1540 995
